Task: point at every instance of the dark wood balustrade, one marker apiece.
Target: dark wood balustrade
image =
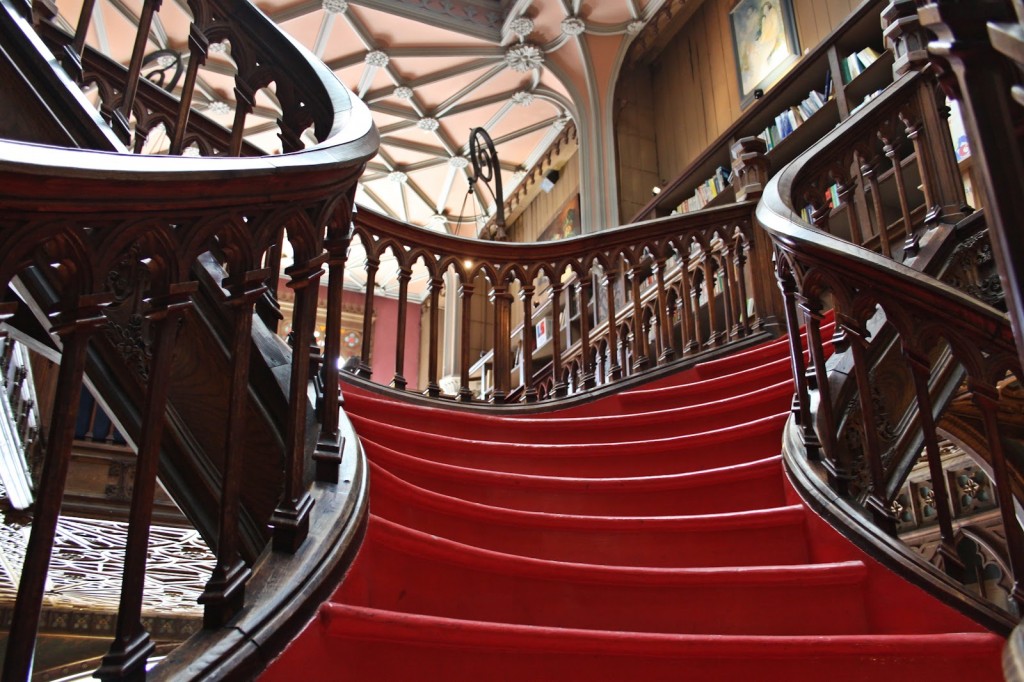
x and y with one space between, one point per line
677 287
89 235
917 362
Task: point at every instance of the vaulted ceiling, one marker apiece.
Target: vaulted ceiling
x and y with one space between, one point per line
432 70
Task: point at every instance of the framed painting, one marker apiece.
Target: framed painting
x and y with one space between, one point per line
566 222
764 43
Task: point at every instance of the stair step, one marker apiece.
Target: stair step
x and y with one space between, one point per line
361 644
766 536
406 570
756 439
739 487
658 423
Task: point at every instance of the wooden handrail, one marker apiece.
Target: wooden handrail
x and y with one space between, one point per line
77 219
895 326
704 272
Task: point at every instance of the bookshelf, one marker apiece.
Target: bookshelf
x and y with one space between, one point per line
861 31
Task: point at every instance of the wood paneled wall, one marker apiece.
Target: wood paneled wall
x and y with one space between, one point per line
694 92
542 210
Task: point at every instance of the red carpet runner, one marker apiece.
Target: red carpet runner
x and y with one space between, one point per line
646 536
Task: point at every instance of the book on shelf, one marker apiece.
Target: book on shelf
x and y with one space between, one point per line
706 191
789 120
867 99
855 63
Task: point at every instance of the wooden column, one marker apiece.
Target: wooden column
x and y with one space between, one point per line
877 504
921 371
372 265
529 342
327 456
584 285
985 79
435 286
74 327
640 360
225 591
664 315
132 645
801 408
558 387
290 520
614 369
502 301
466 295
404 275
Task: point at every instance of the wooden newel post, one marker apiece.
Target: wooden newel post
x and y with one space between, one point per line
750 167
290 520
902 32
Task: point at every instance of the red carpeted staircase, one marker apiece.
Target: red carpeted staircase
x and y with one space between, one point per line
650 535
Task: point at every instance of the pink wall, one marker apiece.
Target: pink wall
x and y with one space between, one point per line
385 327
382 354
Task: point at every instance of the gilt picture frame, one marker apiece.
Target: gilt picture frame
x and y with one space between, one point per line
765 44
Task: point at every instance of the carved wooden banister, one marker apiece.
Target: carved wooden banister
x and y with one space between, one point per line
913 355
188 239
641 272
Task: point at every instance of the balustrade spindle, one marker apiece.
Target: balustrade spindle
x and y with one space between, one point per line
664 315
73 52
584 285
847 191
245 99
740 265
372 265
729 303
404 275
838 475
290 520
892 148
466 294
877 503
225 591
801 408
869 172
198 46
529 341
132 644
614 369
119 121
921 371
640 361
558 385
328 449
435 286
697 342
502 300
714 332
74 327
986 397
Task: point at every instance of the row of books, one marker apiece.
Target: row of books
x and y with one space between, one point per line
831 201
791 119
855 64
710 189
